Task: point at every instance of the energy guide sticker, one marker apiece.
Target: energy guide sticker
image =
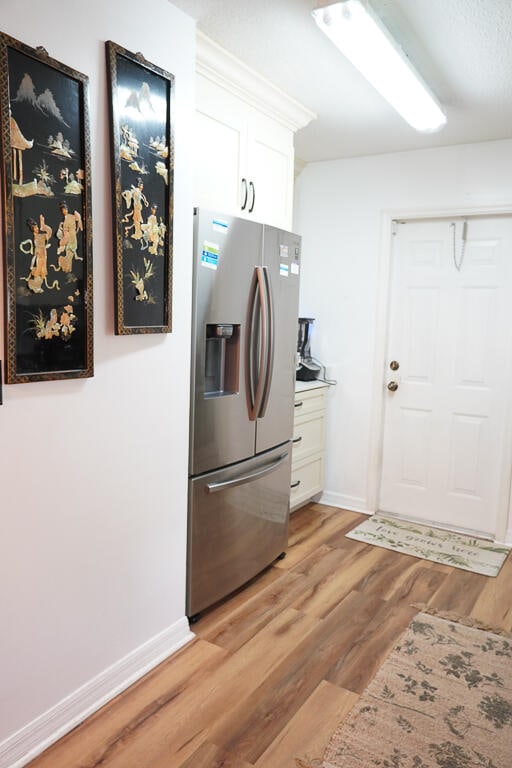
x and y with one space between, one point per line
210 255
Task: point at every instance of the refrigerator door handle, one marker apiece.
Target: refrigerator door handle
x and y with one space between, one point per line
248 477
250 347
256 380
270 344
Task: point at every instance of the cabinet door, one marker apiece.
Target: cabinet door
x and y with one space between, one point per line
243 160
270 171
220 150
307 480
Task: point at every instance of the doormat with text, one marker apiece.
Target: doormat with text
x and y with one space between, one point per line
446 547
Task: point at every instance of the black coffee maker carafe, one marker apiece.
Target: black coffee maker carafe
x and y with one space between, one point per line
307 369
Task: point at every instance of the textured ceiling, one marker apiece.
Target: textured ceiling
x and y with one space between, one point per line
462 48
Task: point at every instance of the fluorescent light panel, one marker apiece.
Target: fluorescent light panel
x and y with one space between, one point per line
359 34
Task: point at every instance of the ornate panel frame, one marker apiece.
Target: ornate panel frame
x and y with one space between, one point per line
141 110
47 224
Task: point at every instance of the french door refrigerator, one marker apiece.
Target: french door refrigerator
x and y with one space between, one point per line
244 336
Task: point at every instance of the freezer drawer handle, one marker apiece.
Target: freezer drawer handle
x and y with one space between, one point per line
249 477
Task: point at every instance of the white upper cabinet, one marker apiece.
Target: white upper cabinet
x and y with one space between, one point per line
243 159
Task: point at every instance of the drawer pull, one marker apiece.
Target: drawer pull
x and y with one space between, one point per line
297 439
295 484
299 404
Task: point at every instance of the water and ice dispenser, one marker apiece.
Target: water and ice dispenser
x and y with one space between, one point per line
222 358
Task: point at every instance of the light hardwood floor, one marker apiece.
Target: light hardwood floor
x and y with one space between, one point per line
277 666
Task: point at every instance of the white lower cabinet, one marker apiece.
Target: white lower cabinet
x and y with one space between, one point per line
308 442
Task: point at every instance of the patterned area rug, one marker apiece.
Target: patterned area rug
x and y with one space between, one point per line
443 699
470 554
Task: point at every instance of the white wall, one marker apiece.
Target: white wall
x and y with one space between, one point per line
93 473
339 212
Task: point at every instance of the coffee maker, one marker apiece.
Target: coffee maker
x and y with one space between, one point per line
307 369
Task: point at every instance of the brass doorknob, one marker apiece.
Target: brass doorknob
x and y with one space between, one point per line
392 386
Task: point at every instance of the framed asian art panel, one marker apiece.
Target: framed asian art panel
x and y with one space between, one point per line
142 163
46 216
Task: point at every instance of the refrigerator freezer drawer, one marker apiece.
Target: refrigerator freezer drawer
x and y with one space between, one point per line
238 524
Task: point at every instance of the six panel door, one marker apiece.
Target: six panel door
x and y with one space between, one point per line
450 332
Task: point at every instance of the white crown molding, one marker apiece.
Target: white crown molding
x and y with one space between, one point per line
221 67
24 745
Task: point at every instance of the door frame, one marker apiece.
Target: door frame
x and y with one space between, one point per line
388 217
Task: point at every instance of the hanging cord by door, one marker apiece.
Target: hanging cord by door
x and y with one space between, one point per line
458 264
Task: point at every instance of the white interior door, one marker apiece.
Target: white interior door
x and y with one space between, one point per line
446 439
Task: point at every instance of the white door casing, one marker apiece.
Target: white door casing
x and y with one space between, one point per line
445 455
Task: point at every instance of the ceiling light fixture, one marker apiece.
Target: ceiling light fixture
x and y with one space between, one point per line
359 34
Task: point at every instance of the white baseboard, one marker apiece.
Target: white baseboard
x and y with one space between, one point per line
24 745
352 503
508 538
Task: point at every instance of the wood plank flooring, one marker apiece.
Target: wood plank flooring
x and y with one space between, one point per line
274 668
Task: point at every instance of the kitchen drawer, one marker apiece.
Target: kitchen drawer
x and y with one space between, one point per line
309 401
308 435
307 480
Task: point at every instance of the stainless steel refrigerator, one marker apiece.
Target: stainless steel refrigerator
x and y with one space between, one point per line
244 337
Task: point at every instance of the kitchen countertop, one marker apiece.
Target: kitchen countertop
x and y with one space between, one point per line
302 386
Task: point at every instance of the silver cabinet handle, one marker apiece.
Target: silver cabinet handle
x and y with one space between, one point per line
295 484
247 478
244 186
299 404
251 187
